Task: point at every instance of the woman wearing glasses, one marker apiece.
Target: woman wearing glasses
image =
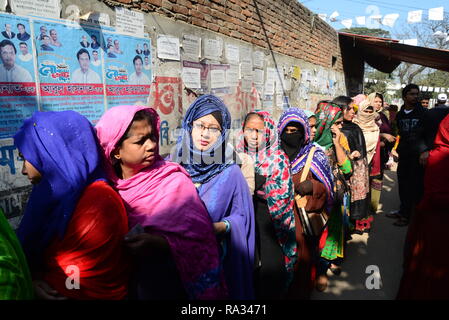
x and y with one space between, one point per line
204 152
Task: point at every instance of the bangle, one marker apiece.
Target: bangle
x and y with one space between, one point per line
228 225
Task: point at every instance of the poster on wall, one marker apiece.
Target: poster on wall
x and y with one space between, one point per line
40 8
18 93
70 66
128 71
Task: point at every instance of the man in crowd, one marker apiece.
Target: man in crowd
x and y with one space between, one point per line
425 99
84 74
9 71
410 172
441 101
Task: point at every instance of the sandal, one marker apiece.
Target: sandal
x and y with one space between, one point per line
335 270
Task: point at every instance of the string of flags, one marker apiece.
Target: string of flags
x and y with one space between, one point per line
421 88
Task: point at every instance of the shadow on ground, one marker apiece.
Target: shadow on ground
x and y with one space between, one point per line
382 248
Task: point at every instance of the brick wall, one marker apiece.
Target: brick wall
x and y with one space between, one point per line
291 28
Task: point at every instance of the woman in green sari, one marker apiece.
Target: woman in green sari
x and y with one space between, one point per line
15 277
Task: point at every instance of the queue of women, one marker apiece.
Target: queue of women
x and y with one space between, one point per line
265 218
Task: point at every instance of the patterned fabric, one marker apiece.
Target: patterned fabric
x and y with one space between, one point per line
63 147
204 165
15 277
272 163
320 165
326 114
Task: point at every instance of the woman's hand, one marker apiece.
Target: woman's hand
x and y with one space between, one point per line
355 155
336 133
219 228
390 138
145 244
44 291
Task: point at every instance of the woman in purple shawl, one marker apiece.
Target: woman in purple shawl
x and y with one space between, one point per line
203 151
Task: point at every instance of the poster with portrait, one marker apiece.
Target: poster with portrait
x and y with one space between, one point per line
18 96
69 63
128 72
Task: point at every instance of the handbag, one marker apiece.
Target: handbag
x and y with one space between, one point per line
312 223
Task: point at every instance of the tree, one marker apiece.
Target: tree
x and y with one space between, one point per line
367 32
380 86
437 78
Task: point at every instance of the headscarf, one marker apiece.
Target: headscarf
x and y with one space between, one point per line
204 165
309 113
367 122
63 147
320 165
326 113
272 163
164 201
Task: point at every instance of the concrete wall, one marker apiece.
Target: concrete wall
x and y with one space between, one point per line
302 44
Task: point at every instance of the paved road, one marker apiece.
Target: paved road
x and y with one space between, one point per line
382 247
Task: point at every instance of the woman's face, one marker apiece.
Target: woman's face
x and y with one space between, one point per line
30 171
205 132
377 104
254 131
312 124
349 113
138 151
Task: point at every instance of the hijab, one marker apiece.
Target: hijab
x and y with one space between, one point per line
327 114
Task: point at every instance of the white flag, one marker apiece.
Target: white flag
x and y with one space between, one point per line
414 16
377 18
361 20
424 88
430 89
436 13
347 23
411 42
333 16
390 19
323 16
437 89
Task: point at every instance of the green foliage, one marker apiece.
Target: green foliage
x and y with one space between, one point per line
434 79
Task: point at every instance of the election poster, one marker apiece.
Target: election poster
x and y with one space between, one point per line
18 95
128 71
69 63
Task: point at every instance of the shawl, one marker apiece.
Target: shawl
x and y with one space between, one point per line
163 199
367 122
272 163
320 165
63 147
204 165
327 113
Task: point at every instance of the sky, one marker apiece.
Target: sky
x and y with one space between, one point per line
349 9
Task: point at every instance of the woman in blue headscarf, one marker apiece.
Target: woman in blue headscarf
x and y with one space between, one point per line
203 150
74 222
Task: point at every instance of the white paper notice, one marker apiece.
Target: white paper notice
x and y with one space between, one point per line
246 55
129 22
168 48
347 23
42 8
436 14
3 5
232 76
232 53
271 75
414 16
288 84
217 79
361 20
191 46
258 76
258 59
279 100
279 87
212 49
246 68
247 84
191 77
269 87
390 19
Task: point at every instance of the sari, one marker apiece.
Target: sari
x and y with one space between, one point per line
15 276
63 226
426 260
163 200
272 163
224 191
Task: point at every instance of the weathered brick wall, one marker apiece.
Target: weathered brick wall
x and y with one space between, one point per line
292 29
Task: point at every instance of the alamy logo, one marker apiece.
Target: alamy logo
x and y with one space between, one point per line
73 280
374 280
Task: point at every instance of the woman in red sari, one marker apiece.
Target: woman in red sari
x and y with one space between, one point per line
426 254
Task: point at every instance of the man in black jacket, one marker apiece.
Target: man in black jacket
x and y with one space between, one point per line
410 172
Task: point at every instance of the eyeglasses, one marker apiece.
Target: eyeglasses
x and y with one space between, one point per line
201 127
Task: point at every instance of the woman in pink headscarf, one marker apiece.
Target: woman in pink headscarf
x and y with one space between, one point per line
176 250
